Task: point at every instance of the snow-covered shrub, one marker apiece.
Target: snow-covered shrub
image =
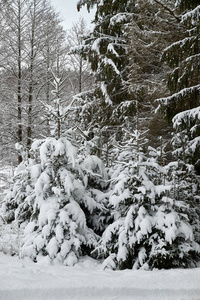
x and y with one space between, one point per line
173 243
10 238
152 228
22 187
133 201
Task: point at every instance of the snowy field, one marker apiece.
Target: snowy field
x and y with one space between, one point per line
25 280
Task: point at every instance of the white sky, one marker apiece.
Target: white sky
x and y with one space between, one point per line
69 13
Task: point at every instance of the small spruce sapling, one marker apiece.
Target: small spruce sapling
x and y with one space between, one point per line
58 224
64 195
15 208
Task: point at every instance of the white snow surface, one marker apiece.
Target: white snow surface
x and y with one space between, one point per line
25 280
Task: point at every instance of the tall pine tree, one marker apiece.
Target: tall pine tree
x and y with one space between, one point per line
106 50
183 80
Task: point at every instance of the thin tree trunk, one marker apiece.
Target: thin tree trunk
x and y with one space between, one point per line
58 92
19 87
48 89
30 104
30 90
80 75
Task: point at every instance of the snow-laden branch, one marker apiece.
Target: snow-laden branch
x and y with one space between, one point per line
180 43
191 148
193 16
105 93
183 116
180 94
121 17
168 9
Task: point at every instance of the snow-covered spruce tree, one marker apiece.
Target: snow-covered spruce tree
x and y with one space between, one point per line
186 189
18 202
183 58
63 208
178 219
106 47
106 50
152 227
58 226
186 140
132 201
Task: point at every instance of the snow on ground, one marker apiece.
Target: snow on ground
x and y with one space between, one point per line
25 280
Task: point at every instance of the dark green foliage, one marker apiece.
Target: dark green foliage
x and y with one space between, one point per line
182 107
106 50
183 58
188 4
106 47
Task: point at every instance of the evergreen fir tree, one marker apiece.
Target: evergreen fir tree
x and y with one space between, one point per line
14 205
63 203
183 58
186 139
106 49
153 217
58 226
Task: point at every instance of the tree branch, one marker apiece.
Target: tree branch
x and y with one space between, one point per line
169 10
